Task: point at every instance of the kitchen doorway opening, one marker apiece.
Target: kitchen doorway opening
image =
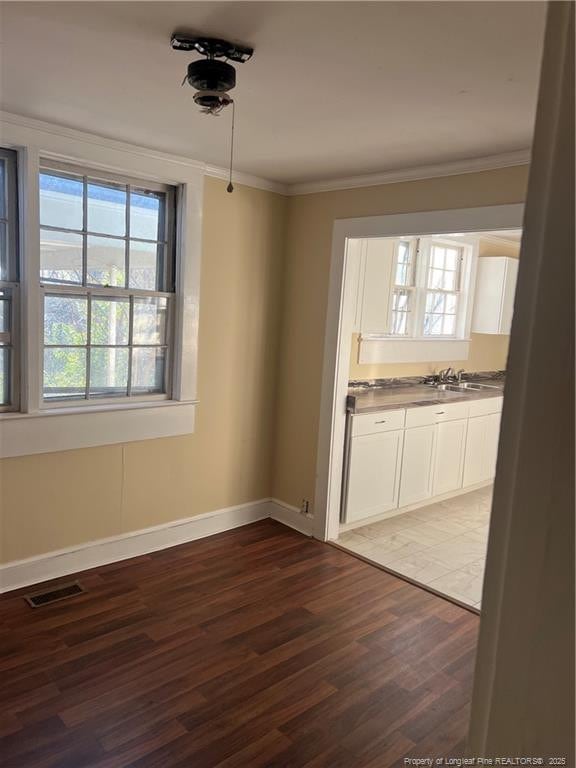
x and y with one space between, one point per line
416 340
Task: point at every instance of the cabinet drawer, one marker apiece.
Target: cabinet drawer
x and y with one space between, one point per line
383 421
484 407
435 414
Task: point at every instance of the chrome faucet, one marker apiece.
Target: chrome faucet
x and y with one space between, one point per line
459 375
445 375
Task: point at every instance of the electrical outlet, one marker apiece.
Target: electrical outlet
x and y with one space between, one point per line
305 508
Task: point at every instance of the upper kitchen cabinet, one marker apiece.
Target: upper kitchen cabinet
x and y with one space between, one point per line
495 289
376 267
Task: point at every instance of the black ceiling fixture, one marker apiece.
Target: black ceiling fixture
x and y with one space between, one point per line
212 78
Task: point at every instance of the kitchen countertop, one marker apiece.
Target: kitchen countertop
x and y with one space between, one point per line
371 399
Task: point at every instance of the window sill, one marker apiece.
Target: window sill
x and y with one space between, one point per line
70 428
375 349
404 339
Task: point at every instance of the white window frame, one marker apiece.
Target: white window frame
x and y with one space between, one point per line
410 288
92 291
12 284
38 427
422 257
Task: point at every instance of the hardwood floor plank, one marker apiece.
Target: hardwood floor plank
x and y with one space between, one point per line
254 648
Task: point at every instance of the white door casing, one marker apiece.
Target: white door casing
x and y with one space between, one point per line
340 323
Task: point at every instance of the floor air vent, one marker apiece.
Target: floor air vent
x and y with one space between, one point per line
53 595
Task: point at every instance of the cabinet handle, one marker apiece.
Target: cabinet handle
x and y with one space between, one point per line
439 413
380 422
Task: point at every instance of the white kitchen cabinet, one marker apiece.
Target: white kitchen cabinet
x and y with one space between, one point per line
403 457
416 474
494 298
354 278
376 278
474 463
449 456
481 449
374 474
492 440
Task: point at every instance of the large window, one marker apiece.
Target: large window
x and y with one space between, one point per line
107 265
99 290
8 281
427 288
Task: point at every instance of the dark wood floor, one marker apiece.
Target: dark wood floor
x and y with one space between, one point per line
256 647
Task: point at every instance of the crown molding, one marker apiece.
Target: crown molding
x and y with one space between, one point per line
74 134
55 129
247 179
500 241
453 168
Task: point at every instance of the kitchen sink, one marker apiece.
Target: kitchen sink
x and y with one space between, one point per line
463 386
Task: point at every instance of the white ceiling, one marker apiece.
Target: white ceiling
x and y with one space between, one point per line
334 89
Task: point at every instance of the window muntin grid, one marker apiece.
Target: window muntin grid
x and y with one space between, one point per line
402 299
442 290
107 266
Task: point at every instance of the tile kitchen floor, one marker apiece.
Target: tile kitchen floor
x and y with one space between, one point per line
442 546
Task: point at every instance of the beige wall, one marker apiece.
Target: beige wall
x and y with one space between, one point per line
49 501
310 221
487 352
265 269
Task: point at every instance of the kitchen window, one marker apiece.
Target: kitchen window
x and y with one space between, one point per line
9 285
429 288
107 265
403 288
443 287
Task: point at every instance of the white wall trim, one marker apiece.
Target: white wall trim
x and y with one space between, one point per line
24 434
291 516
29 431
340 318
344 527
523 697
501 241
63 131
170 160
247 179
450 168
63 562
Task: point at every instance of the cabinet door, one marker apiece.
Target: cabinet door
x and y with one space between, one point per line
508 294
373 474
416 475
494 298
475 461
449 456
379 260
492 440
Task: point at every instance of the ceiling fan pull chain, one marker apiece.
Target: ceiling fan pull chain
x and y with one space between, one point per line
230 187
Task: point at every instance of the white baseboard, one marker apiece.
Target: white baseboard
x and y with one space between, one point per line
417 505
291 516
53 565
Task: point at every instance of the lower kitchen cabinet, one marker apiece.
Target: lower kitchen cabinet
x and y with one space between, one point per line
374 474
416 479
449 456
481 448
398 458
